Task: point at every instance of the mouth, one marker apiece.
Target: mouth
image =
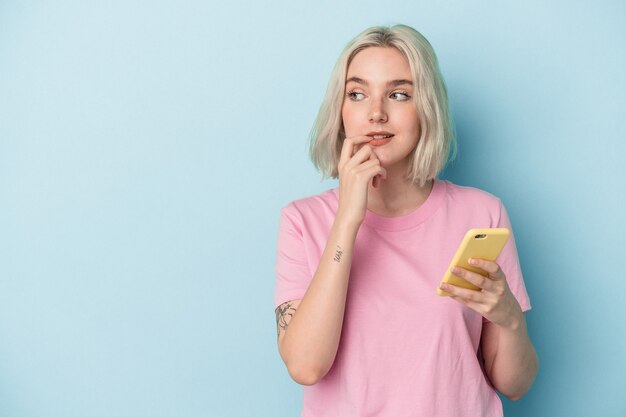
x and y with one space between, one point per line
379 138
380 135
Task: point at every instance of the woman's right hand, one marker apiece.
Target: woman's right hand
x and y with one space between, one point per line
356 171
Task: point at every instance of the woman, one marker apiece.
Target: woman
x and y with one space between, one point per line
359 320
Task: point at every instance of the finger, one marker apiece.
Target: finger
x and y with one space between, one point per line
471 304
347 149
366 166
371 161
488 266
370 171
357 146
379 177
473 278
464 293
365 154
373 157
376 179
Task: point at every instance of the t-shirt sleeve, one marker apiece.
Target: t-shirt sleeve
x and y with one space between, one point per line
509 263
292 270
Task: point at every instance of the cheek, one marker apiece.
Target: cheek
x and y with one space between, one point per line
412 122
410 116
347 117
416 130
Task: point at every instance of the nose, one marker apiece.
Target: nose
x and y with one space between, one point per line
377 113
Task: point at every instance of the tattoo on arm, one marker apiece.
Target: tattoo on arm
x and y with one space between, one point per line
284 314
338 254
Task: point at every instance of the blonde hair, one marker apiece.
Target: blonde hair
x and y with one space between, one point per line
437 142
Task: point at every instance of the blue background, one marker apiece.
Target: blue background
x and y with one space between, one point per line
146 148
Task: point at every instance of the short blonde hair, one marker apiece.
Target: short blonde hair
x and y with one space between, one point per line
437 142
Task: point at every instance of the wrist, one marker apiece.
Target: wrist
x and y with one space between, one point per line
342 222
516 321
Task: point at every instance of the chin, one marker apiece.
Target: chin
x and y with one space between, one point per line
384 160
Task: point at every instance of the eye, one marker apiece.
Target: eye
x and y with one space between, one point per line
400 95
355 96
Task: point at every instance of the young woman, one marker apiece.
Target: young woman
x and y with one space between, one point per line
359 321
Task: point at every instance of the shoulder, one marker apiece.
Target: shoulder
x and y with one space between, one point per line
472 196
310 217
322 204
473 202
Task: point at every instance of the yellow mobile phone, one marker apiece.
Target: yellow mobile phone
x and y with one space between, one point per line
477 243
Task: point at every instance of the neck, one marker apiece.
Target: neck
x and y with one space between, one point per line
396 195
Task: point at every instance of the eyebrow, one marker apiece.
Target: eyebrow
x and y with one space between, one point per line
392 83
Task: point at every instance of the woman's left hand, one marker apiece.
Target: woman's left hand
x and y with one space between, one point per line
494 300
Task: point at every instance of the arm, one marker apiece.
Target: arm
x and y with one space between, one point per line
308 342
315 322
510 360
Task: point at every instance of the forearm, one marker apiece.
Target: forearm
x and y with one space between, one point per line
312 339
515 363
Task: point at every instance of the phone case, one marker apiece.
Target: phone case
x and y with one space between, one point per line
477 243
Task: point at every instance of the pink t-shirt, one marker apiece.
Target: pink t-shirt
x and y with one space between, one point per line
404 350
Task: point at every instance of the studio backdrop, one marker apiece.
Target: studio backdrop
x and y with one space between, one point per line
146 148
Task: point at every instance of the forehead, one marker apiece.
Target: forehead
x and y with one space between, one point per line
379 64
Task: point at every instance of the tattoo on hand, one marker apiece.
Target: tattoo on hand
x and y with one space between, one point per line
338 254
284 314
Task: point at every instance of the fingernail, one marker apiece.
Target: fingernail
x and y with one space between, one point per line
472 261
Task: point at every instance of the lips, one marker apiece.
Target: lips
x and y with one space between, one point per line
379 138
380 135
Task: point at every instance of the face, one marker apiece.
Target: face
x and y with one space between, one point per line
379 103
